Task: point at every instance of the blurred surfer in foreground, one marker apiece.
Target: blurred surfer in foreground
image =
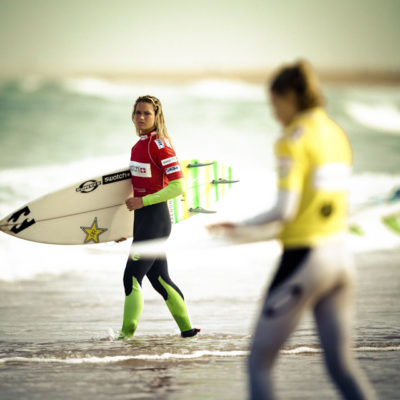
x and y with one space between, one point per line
316 270
156 178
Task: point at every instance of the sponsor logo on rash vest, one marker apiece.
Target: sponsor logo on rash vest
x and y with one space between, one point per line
171 170
142 170
159 143
168 161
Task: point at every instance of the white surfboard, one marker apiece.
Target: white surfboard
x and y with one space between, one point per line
90 211
94 210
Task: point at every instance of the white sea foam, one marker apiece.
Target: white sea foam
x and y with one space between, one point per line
91 86
226 90
120 358
222 89
382 117
119 90
300 350
362 349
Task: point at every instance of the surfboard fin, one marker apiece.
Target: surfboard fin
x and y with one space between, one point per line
201 210
195 165
223 181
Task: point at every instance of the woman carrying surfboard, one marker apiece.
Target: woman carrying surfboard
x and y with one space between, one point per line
156 178
315 271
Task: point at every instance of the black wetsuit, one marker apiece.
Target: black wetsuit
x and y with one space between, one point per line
151 222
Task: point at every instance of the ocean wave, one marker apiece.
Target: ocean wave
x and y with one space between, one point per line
113 89
362 349
91 86
224 89
300 350
119 90
124 358
382 117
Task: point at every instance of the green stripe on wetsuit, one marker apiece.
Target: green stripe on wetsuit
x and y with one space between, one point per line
176 306
134 305
132 310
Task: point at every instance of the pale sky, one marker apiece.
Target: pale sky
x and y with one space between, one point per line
86 36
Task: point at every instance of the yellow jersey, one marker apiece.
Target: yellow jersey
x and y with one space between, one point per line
314 159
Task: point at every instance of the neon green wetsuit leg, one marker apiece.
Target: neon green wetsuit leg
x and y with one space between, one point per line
152 222
177 306
132 310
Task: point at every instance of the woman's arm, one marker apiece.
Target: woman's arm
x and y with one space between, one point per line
284 210
174 189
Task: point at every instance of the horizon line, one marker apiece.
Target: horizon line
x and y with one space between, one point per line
328 75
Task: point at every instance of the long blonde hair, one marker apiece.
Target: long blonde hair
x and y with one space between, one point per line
159 116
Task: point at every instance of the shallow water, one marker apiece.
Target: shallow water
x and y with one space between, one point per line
58 336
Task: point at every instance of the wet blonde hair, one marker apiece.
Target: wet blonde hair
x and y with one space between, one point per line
301 79
159 116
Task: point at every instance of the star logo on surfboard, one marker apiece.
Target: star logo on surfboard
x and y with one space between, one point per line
93 232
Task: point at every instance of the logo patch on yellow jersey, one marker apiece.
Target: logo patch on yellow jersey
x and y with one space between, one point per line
326 210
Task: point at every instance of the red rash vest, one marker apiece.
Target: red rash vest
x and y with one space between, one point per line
153 165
